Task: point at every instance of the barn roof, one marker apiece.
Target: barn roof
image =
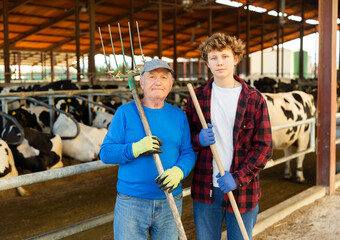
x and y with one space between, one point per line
42 26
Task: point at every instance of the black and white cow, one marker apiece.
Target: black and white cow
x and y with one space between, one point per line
25 118
7 165
285 108
101 119
38 151
84 147
42 115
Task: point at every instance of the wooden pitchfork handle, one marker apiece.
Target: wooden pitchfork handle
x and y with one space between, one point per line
157 160
218 162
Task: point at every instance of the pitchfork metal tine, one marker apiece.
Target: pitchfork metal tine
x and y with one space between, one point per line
121 42
140 44
113 50
134 64
101 40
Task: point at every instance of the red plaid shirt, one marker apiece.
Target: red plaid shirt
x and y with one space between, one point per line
252 141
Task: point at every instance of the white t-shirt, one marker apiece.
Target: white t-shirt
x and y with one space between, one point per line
223 111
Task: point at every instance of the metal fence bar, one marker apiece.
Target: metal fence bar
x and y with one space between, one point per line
27 179
272 163
84 225
66 93
311 120
76 228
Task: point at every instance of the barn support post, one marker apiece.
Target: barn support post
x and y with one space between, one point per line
91 62
52 66
262 36
338 73
199 69
159 29
83 70
315 56
278 3
132 20
77 36
302 26
282 52
326 146
32 75
7 74
42 65
247 40
175 39
282 23
238 35
19 65
209 74
190 69
67 68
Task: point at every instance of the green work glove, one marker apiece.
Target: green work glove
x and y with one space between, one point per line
146 146
170 179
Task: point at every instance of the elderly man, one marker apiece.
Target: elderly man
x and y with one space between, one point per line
141 207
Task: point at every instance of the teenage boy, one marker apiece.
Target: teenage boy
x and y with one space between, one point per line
239 126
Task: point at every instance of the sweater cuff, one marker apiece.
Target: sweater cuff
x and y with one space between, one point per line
129 152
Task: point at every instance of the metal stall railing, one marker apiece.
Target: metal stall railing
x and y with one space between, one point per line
311 121
92 166
53 174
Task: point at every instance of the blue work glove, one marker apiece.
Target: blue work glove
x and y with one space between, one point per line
226 182
206 136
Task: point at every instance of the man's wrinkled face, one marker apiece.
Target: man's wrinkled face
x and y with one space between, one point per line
156 84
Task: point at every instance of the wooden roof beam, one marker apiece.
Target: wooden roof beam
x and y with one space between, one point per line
15 5
47 24
67 40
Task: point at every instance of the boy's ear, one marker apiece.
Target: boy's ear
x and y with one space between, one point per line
236 58
207 64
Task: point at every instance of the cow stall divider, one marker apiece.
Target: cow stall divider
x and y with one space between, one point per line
7 98
312 146
55 109
53 174
19 127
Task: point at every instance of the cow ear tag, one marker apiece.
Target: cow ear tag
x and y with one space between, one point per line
13 113
68 100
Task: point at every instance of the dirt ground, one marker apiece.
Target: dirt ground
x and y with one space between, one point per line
66 201
319 220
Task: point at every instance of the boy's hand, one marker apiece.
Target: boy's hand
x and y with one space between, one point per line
207 137
226 182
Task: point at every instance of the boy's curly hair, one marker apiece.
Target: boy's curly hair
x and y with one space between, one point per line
219 41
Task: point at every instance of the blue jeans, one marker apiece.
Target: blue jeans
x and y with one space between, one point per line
209 218
136 218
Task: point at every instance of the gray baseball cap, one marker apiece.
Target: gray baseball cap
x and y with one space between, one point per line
155 64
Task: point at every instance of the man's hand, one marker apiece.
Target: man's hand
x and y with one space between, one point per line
170 179
146 146
207 136
226 182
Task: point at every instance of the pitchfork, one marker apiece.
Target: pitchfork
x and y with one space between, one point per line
132 85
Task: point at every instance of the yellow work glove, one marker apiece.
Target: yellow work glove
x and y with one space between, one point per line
146 146
170 179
